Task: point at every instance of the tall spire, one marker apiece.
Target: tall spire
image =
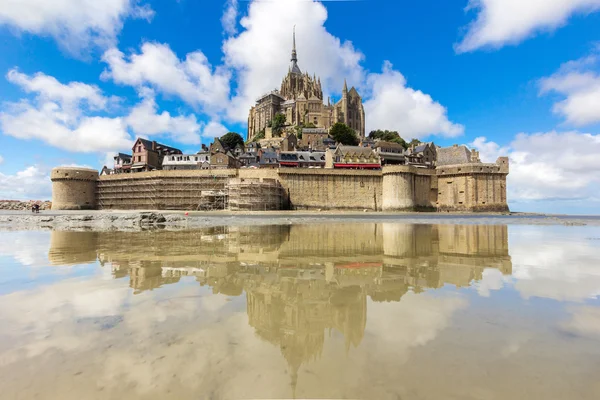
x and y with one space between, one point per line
345 86
294 60
294 57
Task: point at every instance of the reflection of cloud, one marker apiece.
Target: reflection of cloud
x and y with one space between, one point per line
492 280
555 262
28 248
585 321
415 321
47 317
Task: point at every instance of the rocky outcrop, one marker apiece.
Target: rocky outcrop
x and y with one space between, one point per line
16 205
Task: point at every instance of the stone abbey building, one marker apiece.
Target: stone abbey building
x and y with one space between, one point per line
300 99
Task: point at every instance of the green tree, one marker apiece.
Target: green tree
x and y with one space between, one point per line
260 135
414 142
232 139
302 126
277 124
388 136
343 134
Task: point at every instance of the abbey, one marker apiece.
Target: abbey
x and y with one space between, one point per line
300 99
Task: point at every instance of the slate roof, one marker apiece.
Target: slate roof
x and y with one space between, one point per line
453 155
321 131
392 145
364 151
267 158
420 148
124 156
311 156
159 146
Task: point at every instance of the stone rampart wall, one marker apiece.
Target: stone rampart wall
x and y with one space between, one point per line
331 189
469 187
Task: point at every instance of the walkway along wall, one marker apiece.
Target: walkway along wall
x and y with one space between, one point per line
468 187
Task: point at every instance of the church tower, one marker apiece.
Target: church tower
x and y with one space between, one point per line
296 84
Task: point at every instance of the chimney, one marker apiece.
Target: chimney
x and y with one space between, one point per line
154 145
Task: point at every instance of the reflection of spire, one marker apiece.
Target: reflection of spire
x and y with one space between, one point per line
294 382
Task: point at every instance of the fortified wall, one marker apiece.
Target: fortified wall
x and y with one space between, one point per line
464 187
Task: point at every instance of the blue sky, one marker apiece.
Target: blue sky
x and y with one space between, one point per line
518 78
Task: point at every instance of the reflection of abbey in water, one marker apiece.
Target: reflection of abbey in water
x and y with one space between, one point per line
373 256
300 281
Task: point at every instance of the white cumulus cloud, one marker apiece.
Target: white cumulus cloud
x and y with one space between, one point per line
257 58
193 79
579 82
502 22
31 183
213 129
75 24
58 115
49 88
549 166
395 106
260 54
65 116
145 120
229 19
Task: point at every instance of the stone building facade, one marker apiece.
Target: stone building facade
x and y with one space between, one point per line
300 99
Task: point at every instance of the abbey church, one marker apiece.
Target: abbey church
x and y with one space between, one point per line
300 99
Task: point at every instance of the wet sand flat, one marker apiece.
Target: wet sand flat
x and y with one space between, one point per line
360 309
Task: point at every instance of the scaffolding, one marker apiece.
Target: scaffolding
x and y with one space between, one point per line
172 193
128 193
255 195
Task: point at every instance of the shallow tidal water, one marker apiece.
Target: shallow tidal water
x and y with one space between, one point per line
361 310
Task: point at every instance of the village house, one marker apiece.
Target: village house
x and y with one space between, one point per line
223 160
302 159
389 152
456 155
218 146
268 159
352 157
367 142
106 171
249 159
122 163
238 150
422 155
313 139
148 155
252 147
200 160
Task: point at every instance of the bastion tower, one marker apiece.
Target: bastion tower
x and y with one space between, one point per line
73 188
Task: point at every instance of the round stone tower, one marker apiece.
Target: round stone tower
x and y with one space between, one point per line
73 188
398 188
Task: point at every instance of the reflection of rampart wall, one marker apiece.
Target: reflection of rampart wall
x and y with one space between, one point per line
70 247
335 240
387 258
